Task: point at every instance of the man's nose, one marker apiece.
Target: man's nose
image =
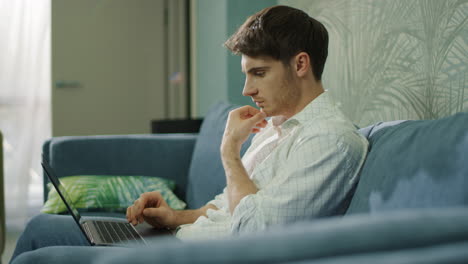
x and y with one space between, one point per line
249 90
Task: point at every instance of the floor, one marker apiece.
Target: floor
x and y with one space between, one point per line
15 222
10 243
15 227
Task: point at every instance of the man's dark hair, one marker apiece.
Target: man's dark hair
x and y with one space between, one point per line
281 32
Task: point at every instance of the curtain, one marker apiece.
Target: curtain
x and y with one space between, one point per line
25 117
177 63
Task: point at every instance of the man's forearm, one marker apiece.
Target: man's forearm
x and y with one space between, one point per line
240 124
183 217
238 182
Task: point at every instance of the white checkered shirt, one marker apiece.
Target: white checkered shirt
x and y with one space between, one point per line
305 167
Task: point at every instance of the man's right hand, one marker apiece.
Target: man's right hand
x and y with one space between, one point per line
152 208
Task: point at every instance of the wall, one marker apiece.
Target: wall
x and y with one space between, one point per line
217 73
238 12
211 57
108 66
394 59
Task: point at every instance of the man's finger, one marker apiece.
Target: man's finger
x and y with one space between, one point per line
137 212
128 214
262 124
140 207
258 118
133 215
246 111
152 212
141 204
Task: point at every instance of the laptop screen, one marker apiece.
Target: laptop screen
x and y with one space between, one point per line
61 191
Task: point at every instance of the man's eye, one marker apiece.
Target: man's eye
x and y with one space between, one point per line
260 73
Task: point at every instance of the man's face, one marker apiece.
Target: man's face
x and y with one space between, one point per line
271 85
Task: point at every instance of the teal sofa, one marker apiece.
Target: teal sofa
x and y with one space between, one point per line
410 205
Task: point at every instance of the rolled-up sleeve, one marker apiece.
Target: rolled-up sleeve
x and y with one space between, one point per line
313 180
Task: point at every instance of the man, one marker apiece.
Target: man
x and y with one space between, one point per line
302 164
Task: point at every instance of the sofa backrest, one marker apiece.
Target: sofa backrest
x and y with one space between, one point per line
206 177
415 164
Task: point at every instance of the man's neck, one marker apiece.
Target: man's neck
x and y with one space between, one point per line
309 92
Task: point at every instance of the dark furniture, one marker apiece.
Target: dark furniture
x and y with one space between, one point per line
176 126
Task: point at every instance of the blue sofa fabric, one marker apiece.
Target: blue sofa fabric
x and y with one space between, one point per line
415 164
333 238
453 253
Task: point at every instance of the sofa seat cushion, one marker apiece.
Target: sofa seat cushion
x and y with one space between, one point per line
206 176
415 164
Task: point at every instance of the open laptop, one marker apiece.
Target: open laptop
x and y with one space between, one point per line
109 232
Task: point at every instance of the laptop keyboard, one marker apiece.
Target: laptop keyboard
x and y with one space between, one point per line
116 232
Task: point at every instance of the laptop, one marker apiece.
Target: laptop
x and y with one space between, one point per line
99 232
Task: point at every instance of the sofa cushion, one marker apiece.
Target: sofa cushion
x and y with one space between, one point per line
415 164
206 176
372 129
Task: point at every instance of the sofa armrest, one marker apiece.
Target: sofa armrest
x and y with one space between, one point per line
161 155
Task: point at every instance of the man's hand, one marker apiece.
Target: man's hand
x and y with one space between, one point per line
152 208
241 122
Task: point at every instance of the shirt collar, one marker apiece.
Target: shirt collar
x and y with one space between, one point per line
277 122
321 104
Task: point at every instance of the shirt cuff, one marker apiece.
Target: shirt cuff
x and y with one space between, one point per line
218 201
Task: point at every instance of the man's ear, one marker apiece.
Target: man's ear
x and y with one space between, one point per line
302 64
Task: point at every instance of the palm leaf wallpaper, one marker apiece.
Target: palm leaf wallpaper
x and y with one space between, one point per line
398 59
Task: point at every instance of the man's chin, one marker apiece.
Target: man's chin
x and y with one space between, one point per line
268 113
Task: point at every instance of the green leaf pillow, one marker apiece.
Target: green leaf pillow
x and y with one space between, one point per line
108 193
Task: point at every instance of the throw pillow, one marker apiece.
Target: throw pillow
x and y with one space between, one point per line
108 193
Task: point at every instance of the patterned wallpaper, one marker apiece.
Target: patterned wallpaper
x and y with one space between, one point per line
398 59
